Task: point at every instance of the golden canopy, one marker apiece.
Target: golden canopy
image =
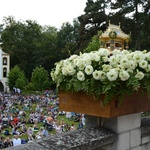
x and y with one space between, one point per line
114 38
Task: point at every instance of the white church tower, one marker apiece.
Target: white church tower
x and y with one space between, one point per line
4 70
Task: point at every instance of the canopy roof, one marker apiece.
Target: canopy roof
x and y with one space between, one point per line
114 28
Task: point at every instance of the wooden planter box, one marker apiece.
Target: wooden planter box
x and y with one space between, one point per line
79 102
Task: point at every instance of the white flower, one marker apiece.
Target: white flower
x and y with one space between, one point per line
95 56
106 68
132 65
129 70
89 70
119 57
105 59
112 75
104 52
124 62
124 75
139 75
66 62
58 67
80 76
115 52
148 68
147 56
87 61
138 56
102 75
129 56
64 71
143 64
99 75
73 57
70 70
125 52
113 60
53 75
80 64
96 75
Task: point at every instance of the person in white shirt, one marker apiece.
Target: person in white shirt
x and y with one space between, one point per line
72 128
16 140
58 128
83 119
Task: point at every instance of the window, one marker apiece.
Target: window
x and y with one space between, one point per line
118 45
4 61
107 45
4 72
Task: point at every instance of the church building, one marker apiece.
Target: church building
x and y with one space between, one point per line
4 70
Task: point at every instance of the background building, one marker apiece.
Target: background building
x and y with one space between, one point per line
4 70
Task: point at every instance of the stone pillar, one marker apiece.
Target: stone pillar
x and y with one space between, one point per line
128 129
112 44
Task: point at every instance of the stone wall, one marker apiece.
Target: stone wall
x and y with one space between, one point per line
82 139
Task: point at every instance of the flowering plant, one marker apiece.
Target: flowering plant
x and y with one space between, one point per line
106 73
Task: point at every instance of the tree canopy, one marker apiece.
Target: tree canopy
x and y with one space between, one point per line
16 78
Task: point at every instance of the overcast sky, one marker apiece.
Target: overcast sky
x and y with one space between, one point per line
45 12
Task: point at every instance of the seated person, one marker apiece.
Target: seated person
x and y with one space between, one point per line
1 142
77 118
8 142
30 138
16 120
40 134
35 126
23 129
30 131
15 131
16 140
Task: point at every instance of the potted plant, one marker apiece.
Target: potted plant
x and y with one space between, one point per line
106 79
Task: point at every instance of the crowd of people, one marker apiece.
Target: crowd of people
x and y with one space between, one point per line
34 116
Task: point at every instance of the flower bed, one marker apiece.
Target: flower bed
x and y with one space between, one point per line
116 73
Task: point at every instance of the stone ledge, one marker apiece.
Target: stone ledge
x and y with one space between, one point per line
82 139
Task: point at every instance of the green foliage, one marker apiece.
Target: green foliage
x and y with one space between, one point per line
16 78
147 86
67 39
94 44
29 86
39 79
29 44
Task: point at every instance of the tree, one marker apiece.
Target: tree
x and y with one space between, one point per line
94 20
39 79
29 44
94 44
67 39
47 52
16 78
19 39
133 15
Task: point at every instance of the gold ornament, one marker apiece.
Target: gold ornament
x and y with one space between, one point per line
112 34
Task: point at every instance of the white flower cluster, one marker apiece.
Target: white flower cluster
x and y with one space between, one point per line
104 65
